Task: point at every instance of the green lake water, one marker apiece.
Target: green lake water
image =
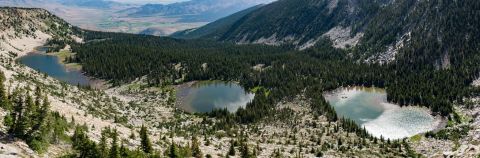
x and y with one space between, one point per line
206 96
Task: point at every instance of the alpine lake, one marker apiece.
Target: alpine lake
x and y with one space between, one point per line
205 96
368 107
49 64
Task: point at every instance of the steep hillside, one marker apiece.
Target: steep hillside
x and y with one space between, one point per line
212 29
435 45
22 29
380 28
304 22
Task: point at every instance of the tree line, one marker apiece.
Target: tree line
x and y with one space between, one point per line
413 79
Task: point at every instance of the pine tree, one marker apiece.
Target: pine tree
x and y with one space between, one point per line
30 112
114 151
123 151
83 145
102 146
196 152
244 152
4 102
19 124
44 109
146 145
38 136
38 96
173 151
231 151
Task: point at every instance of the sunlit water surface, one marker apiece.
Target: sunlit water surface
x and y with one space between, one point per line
369 108
207 96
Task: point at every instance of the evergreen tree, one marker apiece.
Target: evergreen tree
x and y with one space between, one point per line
103 145
83 145
173 151
30 112
196 152
146 145
19 123
244 151
231 151
123 151
114 151
4 102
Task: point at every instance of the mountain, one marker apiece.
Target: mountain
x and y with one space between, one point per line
23 27
48 133
301 22
101 4
432 59
377 29
194 10
213 28
23 3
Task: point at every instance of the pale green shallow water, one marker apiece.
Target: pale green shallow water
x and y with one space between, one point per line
207 96
369 108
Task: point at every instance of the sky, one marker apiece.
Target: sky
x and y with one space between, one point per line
149 1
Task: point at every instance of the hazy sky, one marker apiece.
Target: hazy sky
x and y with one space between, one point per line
149 1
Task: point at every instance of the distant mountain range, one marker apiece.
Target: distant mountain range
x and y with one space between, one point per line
102 4
91 3
194 10
152 19
214 29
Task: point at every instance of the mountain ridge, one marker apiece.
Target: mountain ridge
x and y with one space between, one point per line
194 10
211 28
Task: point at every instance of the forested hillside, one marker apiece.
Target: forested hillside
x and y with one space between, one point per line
301 23
424 53
377 29
434 67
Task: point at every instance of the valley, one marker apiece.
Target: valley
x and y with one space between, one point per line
243 92
140 18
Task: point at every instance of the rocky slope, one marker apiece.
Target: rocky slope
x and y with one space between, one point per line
23 29
127 107
302 23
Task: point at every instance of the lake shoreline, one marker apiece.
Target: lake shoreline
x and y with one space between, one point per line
67 68
380 117
205 96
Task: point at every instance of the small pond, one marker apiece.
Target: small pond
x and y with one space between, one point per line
369 108
51 66
201 97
